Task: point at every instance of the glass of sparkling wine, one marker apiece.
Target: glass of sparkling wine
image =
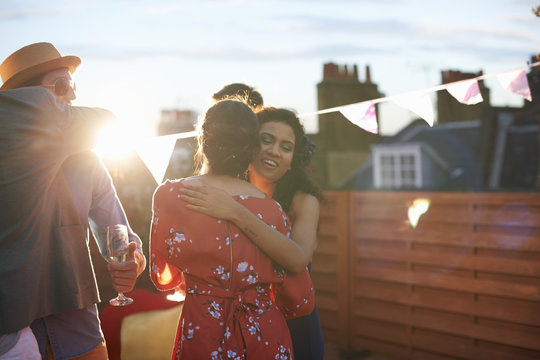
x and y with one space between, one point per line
117 251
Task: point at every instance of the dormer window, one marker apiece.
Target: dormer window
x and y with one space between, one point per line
397 166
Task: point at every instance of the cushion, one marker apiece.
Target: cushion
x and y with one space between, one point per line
150 334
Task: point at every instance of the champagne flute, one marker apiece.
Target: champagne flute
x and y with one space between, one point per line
117 251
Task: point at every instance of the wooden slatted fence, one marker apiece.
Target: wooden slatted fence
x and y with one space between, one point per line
464 283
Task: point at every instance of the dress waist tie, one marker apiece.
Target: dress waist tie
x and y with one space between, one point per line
242 319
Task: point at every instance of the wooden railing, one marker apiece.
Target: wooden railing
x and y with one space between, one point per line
464 282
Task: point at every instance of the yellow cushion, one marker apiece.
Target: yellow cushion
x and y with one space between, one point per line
149 335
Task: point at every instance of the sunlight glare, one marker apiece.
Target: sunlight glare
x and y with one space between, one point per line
117 140
418 208
176 296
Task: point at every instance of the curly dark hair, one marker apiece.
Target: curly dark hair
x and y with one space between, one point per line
228 138
298 177
240 92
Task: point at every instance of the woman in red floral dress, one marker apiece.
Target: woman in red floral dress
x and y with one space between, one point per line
237 299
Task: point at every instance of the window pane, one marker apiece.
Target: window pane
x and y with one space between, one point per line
387 161
387 171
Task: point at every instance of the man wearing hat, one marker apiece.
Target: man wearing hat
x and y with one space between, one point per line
51 187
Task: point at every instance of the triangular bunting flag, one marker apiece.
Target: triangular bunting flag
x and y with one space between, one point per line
516 81
419 103
156 153
466 92
362 115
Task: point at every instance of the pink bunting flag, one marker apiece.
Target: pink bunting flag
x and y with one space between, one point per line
516 81
419 103
362 115
466 92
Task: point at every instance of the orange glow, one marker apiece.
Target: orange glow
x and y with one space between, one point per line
165 277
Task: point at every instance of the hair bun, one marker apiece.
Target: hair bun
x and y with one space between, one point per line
229 137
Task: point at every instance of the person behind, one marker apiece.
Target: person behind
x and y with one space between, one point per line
229 310
241 92
280 171
51 187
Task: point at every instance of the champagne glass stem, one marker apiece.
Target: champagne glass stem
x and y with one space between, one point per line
121 300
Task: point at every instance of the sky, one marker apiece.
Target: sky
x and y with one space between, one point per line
140 57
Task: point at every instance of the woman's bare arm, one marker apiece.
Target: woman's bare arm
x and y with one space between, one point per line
304 214
292 255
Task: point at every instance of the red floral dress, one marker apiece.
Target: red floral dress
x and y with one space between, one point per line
236 298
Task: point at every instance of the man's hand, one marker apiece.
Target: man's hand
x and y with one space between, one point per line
124 274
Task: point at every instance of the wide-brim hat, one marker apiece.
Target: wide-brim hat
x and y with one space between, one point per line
31 61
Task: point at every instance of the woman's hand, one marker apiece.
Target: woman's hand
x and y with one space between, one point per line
210 201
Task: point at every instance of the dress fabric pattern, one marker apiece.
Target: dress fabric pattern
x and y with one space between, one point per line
237 300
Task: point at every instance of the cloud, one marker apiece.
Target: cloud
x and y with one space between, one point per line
521 19
330 50
398 28
308 24
476 33
167 8
478 53
24 13
333 2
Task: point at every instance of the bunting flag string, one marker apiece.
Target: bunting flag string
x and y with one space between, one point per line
465 91
156 152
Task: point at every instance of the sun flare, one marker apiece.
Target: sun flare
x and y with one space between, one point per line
118 140
418 208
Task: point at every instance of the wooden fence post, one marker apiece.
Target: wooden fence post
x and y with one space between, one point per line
344 254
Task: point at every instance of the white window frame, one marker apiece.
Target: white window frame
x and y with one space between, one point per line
397 152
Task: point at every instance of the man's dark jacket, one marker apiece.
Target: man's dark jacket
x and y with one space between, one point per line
45 264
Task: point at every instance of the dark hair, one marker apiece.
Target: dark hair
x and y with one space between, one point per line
297 178
228 138
240 92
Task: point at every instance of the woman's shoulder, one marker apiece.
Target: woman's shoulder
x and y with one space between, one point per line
169 188
303 203
169 184
305 199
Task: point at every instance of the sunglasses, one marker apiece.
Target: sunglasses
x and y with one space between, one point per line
61 86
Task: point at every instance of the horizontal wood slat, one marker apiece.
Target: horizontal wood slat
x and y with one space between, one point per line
464 260
522 312
423 347
450 326
451 198
464 349
511 215
457 235
474 286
